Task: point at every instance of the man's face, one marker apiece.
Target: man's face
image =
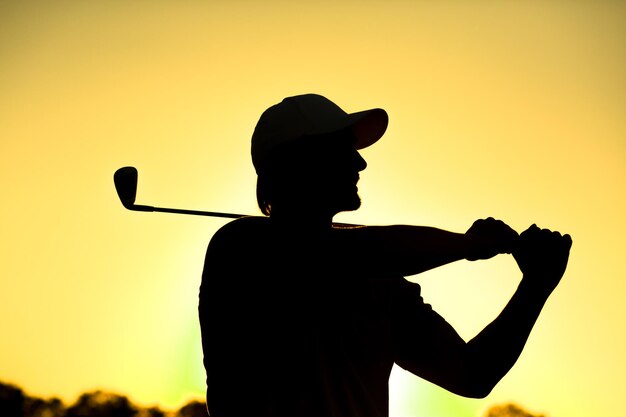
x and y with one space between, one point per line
334 172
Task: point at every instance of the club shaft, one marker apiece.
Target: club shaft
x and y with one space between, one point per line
139 207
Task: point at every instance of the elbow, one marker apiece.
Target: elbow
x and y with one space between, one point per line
474 388
470 388
480 380
466 384
462 373
477 391
479 374
475 382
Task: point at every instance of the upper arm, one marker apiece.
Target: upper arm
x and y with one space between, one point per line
223 271
233 241
426 345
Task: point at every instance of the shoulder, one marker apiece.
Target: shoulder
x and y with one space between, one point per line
352 233
236 232
360 232
244 225
364 241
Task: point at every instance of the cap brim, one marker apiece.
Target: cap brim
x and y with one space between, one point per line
368 126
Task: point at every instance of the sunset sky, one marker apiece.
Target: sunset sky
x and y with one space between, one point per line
514 110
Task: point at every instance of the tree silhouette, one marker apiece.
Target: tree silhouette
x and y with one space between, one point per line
101 404
152 412
11 401
193 409
37 407
14 403
509 410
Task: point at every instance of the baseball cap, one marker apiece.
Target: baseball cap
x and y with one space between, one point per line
308 115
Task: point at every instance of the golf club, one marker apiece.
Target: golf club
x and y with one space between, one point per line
125 180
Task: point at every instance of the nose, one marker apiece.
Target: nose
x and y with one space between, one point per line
358 162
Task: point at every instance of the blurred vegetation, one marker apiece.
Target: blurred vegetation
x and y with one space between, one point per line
509 410
15 403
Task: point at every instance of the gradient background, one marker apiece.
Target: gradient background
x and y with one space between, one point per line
506 109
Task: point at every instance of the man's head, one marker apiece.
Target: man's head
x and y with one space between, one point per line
304 150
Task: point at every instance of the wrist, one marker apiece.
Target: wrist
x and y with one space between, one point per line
476 247
536 285
470 247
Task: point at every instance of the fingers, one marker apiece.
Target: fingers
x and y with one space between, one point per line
535 235
568 240
492 237
492 224
501 228
543 254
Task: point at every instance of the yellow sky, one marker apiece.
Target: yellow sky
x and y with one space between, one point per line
506 109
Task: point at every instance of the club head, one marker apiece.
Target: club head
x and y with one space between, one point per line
125 180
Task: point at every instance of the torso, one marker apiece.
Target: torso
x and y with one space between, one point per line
293 325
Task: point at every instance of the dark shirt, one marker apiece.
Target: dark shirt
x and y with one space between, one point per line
299 324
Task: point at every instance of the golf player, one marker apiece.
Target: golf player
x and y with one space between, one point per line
304 318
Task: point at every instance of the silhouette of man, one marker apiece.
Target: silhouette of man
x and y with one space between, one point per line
301 318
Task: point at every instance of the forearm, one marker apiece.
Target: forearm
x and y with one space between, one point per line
414 249
494 351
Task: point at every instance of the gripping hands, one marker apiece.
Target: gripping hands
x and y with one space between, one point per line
541 254
490 237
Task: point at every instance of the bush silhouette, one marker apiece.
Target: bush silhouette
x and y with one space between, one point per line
193 409
15 403
101 404
509 410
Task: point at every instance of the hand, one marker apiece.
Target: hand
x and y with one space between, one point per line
542 256
490 237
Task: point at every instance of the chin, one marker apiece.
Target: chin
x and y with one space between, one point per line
352 204
341 201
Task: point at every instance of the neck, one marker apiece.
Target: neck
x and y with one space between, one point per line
309 220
